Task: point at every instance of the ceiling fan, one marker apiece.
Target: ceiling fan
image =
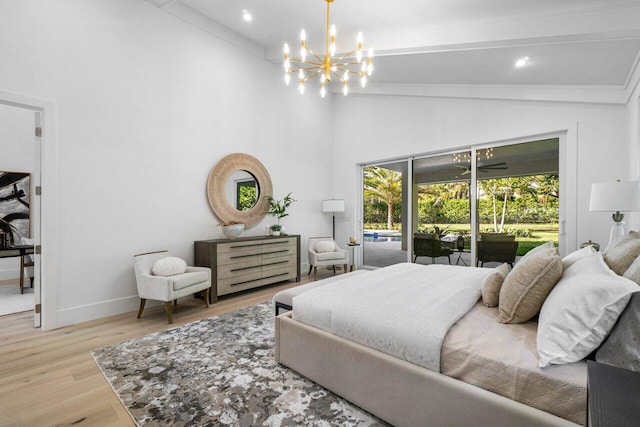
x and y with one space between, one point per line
485 168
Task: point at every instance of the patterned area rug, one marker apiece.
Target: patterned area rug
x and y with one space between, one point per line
12 301
219 371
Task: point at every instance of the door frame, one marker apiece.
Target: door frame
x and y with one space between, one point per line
46 263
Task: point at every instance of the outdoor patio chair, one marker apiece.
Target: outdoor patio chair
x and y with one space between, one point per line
497 247
429 244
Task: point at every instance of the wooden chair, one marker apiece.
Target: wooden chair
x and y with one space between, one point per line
497 247
429 244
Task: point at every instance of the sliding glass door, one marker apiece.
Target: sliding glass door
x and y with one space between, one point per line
462 200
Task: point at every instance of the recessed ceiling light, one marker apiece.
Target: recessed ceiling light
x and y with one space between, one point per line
522 62
246 15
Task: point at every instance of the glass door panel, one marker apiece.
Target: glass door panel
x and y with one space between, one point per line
384 222
442 209
517 199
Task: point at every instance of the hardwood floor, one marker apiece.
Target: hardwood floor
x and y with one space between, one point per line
49 378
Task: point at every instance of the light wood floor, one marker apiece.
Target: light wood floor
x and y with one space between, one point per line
49 378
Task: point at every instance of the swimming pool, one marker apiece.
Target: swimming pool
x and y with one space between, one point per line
381 237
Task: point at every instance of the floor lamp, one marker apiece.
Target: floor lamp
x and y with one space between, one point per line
615 197
333 206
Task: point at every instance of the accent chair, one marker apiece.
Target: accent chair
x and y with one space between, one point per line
324 251
168 288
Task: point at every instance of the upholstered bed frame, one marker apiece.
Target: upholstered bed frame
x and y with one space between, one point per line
399 392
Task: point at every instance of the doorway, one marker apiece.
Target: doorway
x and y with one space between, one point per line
19 175
43 204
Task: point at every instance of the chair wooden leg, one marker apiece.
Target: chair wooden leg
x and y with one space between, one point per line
315 272
310 268
169 309
449 258
175 302
206 297
415 257
142 301
334 270
345 269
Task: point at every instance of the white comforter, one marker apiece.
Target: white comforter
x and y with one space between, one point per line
404 310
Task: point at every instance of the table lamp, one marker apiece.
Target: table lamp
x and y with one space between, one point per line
333 206
619 196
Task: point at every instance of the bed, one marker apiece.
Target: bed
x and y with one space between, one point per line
468 382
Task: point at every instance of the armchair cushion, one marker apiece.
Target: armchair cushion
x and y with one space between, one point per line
168 266
325 246
185 280
337 255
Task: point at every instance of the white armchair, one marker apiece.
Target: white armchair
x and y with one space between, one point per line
168 288
325 251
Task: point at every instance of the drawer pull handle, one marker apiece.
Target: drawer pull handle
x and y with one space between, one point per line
260 244
258 266
256 280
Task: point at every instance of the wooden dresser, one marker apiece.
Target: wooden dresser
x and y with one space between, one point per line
248 262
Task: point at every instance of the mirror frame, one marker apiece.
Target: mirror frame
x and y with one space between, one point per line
217 195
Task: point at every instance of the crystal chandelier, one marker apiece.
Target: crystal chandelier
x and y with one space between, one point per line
310 64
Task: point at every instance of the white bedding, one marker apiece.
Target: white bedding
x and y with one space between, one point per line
404 310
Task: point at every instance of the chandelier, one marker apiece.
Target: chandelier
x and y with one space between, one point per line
310 65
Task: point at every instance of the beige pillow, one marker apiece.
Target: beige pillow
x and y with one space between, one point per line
621 253
633 272
527 286
545 247
492 284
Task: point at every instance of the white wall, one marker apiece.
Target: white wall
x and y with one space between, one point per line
370 128
146 105
633 119
18 154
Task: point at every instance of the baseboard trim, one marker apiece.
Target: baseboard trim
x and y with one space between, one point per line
10 274
85 313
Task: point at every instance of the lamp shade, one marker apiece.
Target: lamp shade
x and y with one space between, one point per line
619 196
333 205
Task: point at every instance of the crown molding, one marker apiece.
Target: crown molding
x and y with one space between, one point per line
573 94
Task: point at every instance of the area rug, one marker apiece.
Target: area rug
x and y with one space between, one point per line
219 371
12 301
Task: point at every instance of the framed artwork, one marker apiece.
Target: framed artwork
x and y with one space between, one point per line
15 199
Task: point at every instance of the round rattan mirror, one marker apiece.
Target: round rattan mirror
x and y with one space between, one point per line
217 191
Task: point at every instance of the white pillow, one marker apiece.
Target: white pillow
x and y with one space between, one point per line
581 310
169 266
576 256
325 246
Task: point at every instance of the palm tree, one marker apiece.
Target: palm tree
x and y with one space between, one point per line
384 184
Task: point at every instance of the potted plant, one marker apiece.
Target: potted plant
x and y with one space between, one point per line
275 229
278 208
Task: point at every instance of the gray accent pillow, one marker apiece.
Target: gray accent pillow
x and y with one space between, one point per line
622 346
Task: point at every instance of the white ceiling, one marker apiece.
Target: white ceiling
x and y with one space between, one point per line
462 42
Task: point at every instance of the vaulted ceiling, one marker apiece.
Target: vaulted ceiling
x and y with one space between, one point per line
570 43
